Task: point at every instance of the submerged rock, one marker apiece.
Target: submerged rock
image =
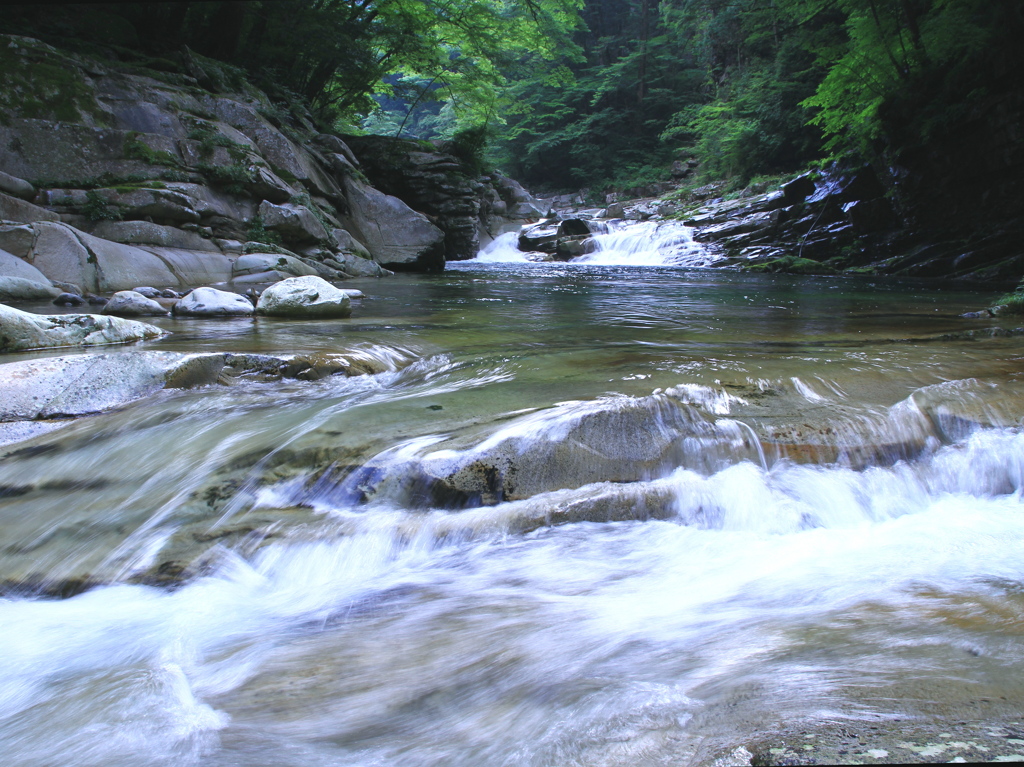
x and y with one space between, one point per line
308 297
21 331
620 439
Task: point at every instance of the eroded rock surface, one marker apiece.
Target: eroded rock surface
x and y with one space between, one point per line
21 331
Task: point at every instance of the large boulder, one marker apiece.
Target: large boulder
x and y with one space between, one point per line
210 302
17 239
67 255
62 387
193 267
295 223
397 237
128 303
618 439
307 297
348 243
12 266
21 331
17 187
14 209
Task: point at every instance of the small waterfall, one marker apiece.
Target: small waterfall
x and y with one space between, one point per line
619 243
651 243
505 247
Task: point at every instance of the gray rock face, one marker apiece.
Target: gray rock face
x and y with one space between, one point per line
21 331
295 223
397 237
162 204
307 297
349 243
358 267
11 266
210 302
17 187
13 209
434 182
128 303
258 263
129 125
20 289
146 233
17 240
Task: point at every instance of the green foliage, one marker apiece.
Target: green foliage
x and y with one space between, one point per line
35 83
469 145
258 233
96 208
233 178
306 201
894 52
792 265
135 149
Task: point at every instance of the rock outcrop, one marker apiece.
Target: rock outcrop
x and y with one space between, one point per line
128 176
22 331
430 178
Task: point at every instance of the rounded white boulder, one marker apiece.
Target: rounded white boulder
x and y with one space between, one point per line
128 303
210 302
307 297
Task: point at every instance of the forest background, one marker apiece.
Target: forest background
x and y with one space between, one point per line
603 95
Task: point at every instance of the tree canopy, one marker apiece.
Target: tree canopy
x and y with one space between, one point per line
596 93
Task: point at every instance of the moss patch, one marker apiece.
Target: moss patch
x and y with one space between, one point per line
792 265
39 84
135 149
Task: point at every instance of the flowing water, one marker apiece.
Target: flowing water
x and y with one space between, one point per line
596 513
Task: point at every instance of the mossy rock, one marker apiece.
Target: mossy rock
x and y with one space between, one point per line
792 265
38 82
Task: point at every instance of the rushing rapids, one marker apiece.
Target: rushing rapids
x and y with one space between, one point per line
579 513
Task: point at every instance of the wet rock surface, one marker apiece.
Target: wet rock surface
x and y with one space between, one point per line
21 331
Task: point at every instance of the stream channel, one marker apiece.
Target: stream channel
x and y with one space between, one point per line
623 511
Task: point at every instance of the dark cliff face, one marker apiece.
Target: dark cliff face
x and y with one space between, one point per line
429 180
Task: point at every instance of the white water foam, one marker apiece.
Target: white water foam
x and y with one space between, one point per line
651 243
504 248
377 621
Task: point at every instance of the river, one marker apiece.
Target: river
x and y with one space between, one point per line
808 513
